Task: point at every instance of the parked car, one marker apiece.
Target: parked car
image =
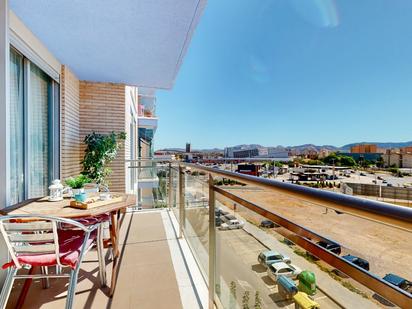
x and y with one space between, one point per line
357 261
398 281
362 174
379 178
331 246
268 224
384 181
218 221
266 258
228 217
232 225
281 268
220 212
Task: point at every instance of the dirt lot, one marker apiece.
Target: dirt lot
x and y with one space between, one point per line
386 248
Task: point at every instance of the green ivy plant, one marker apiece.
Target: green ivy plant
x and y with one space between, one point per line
101 149
77 182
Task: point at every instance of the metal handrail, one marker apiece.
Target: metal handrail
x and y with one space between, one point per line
306 238
396 216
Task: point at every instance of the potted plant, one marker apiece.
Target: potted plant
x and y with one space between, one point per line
77 185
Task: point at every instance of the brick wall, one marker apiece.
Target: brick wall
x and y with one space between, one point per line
70 124
102 110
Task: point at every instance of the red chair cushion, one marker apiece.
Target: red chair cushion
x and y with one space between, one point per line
70 245
94 220
87 221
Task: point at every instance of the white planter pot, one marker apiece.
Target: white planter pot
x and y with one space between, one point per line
77 191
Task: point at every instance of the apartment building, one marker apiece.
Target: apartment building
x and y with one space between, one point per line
61 83
364 148
57 96
398 157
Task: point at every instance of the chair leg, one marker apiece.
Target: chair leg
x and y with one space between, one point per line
58 270
45 281
8 284
100 253
71 291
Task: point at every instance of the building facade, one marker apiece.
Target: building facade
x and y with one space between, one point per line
401 158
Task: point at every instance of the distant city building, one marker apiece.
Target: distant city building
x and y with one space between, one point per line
246 153
248 169
254 152
398 157
188 147
365 156
228 152
367 152
406 149
323 153
366 148
274 152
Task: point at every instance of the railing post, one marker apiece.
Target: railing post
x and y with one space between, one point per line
181 201
170 189
212 243
139 191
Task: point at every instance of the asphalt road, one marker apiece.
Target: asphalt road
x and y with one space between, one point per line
237 253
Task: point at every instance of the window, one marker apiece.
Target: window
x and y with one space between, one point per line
275 257
33 126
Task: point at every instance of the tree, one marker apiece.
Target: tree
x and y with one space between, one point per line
258 301
339 160
232 301
278 164
347 161
100 151
380 162
245 300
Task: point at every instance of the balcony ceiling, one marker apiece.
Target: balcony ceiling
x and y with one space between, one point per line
136 42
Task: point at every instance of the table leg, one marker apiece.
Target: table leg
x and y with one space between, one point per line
114 236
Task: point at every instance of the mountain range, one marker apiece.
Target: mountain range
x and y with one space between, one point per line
300 148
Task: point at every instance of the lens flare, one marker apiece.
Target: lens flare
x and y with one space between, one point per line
323 13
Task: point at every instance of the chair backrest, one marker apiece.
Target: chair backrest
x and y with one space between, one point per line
34 234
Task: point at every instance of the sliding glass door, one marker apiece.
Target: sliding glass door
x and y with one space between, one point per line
16 128
32 129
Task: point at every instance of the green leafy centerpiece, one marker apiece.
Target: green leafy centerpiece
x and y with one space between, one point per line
77 185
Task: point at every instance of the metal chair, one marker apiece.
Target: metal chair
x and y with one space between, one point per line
37 240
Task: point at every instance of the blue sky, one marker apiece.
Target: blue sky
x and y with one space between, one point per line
288 72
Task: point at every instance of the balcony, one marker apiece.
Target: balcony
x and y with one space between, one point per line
147 112
153 273
185 255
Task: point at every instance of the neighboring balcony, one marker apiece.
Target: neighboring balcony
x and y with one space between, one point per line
148 181
147 122
147 112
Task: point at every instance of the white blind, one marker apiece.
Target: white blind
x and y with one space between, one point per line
39 96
